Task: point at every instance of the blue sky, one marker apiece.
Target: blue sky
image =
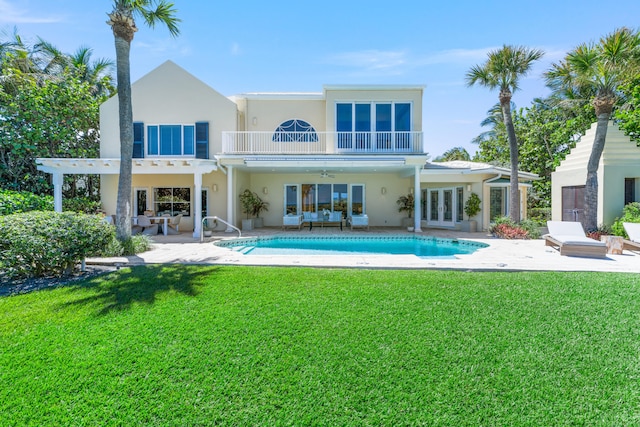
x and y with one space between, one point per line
298 46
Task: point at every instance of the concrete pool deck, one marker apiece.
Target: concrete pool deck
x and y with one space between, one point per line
500 255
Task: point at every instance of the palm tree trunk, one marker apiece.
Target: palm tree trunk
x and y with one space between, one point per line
591 186
123 205
514 193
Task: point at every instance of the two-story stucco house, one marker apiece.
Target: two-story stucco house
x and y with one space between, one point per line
351 148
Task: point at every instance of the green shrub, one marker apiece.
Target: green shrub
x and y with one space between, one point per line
531 227
81 204
540 215
135 245
504 228
37 244
12 202
630 213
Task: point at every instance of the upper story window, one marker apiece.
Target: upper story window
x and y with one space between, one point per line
189 140
170 140
295 131
373 117
374 125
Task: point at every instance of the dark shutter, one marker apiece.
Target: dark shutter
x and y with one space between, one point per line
202 140
138 140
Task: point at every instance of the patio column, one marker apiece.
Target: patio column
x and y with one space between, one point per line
197 221
58 180
230 198
417 197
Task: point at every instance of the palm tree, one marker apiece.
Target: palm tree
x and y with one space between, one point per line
95 72
502 71
594 72
122 22
455 153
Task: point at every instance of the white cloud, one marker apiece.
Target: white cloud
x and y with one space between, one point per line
163 46
372 61
10 14
456 56
235 49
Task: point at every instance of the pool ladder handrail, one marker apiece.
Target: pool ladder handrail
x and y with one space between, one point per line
216 218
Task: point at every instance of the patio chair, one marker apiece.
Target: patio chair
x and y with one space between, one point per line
569 238
174 224
146 227
292 221
633 230
359 221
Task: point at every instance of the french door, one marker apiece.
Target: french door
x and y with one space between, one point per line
440 210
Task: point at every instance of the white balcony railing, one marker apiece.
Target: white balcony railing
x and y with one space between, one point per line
322 142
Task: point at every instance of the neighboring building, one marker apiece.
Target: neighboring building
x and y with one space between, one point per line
618 177
351 148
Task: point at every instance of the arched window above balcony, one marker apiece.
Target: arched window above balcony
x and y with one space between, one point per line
295 131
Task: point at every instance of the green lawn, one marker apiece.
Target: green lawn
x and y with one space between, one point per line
189 345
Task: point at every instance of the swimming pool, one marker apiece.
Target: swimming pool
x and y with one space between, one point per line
421 246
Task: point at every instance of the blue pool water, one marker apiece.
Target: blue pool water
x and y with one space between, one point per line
340 245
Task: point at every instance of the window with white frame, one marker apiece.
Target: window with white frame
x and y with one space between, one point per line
320 197
171 140
389 121
172 201
295 130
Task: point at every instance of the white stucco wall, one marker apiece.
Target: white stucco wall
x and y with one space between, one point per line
169 95
620 159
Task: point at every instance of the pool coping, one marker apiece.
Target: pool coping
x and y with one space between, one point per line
499 255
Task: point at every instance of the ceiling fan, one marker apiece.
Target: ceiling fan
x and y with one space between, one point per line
325 174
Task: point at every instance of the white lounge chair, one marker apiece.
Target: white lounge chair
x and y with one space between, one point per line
359 221
292 221
570 239
633 230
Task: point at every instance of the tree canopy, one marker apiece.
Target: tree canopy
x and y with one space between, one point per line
48 110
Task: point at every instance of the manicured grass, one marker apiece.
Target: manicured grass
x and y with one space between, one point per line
190 345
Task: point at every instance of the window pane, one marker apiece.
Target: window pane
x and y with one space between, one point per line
357 199
324 197
165 140
308 198
403 117
363 117
152 147
340 198
383 117
344 118
496 202
460 204
176 140
291 199
188 140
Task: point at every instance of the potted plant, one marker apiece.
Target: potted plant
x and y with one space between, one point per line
471 208
259 206
406 204
247 198
207 227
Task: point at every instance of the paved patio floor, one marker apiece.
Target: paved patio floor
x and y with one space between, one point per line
506 255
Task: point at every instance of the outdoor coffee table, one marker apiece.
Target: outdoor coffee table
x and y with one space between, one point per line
323 221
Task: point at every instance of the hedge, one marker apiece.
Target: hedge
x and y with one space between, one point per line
38 244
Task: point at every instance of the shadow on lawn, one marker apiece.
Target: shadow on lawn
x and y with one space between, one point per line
118 291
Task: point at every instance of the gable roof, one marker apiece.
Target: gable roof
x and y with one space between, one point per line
618 150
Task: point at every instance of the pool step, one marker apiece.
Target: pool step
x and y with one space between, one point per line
244 249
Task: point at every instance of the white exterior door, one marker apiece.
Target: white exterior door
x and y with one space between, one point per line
440 209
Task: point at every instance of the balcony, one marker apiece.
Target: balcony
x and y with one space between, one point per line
303 143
